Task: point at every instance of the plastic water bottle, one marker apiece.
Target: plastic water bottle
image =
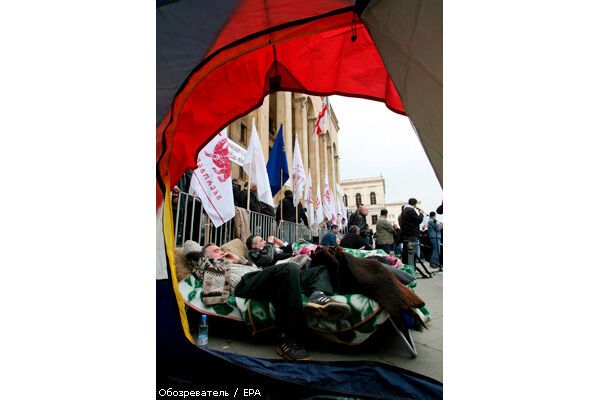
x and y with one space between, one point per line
203 332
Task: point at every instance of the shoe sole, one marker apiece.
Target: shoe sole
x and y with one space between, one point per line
331 311
286 357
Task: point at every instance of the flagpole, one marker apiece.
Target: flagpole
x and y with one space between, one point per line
295 188
248 190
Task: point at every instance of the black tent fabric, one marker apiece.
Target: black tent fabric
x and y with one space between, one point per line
180 51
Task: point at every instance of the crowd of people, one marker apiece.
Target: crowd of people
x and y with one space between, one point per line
390 236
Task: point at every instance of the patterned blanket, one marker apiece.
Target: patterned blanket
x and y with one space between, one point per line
365 318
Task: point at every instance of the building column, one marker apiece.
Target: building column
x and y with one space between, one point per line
262 126
332 180
287 130
337 169
304 132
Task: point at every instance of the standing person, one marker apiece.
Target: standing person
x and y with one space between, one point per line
397 240
283 285
410 219
254 203
236 184
266 209
359 218
289 211
385 233
330 238
434 231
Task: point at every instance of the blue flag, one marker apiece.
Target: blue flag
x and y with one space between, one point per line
277 163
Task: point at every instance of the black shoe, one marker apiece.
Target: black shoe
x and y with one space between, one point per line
319 305
292 350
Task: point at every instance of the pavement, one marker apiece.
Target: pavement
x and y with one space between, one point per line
386 347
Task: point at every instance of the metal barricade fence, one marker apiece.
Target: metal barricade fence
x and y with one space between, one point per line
262 225
192 222
290 232
322 232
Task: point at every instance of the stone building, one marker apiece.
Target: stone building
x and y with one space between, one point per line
371 193
298 114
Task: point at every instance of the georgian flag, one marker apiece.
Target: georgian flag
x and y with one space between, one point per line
322 119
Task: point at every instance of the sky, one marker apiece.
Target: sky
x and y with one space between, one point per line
375 141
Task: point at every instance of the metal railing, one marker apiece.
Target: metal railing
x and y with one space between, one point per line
262 225
192 222
291 232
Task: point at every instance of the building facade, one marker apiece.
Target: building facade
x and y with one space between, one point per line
298 113
371 193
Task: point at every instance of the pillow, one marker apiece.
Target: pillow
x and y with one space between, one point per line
237 247
183 269
192 250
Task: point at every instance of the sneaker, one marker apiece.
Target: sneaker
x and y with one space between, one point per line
319 305
292 350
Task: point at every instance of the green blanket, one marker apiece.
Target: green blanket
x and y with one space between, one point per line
365 318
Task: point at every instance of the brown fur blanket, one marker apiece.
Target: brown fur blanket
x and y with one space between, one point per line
367 276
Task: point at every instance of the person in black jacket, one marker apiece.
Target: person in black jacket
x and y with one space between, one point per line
265 253
254 203
289 211
352 239
237 192
410 219
359 218
266 209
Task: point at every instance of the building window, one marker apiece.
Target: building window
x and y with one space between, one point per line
373 198
271 126
243 133
374 219
358 199
346 200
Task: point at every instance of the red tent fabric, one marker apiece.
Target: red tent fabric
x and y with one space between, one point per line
329 55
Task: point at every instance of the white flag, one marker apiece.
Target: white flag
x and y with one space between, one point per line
211 181
254 165
308 201
318 206
328 209
343 209
298 174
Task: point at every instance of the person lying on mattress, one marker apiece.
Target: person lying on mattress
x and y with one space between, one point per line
265 253
282 285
